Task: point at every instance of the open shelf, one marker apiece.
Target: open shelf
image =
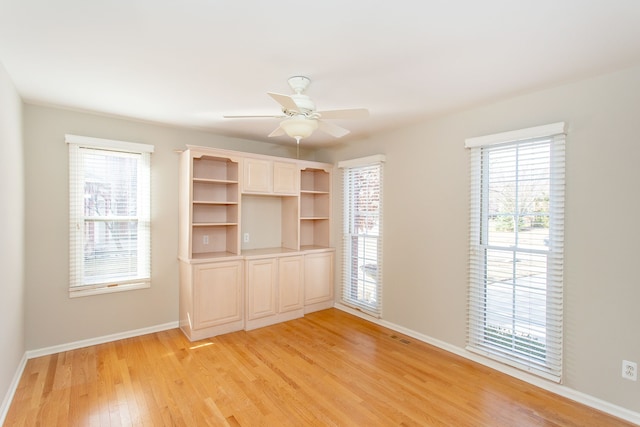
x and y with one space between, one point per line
315 180
215 169
314 232
315 208
214 238
314 205
214 212
215 191
205 256
214 206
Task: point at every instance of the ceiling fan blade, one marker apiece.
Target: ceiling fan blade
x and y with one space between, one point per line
254 117
351 113
286 101
277 132
333 130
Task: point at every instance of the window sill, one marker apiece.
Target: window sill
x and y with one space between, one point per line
107 289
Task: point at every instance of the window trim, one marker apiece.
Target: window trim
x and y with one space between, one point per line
555 135
75 143
346 165
543 131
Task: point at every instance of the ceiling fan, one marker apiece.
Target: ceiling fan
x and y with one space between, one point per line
300 116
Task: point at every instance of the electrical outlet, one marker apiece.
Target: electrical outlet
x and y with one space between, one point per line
629 370
205 240
246 237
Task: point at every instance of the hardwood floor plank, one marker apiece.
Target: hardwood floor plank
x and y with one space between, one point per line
328 368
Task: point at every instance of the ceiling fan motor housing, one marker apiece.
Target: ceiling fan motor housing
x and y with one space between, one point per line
306 106
304 103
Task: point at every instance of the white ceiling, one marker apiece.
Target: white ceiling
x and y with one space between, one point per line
189 62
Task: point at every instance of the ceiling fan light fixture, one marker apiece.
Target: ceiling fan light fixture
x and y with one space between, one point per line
299 127
300 116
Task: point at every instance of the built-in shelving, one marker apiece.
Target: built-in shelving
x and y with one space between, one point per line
315 208
214 207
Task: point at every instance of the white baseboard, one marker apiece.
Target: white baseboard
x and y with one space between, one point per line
100 340
4 409
564 391
8 398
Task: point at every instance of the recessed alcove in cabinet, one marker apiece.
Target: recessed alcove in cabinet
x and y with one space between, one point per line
269 222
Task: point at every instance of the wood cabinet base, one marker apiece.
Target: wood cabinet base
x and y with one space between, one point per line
200 334
310 308
272 320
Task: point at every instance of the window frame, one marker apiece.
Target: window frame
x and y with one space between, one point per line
77 219
478 339
362 278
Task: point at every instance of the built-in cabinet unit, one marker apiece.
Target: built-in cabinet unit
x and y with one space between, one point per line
229 282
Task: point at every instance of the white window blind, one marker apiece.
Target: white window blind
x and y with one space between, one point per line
362 236
109 214
516 248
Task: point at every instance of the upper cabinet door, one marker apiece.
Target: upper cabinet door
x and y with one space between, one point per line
286 178
258 176
269 177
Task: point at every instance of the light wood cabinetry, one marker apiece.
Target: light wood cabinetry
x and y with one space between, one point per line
217 293
257 176
274 289
290 284
285 178
318 280
262 276
211 298
285 271
262 176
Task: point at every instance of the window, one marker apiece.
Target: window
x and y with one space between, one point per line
516 248
109 213
362 238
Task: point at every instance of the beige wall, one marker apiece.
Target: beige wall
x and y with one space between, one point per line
12 346
426 217
52 318
426 187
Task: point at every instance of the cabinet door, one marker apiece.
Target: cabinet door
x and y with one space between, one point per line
290 283
217 297
261 288
258 176
318 277
286 178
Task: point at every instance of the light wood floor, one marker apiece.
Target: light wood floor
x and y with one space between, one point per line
329 368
